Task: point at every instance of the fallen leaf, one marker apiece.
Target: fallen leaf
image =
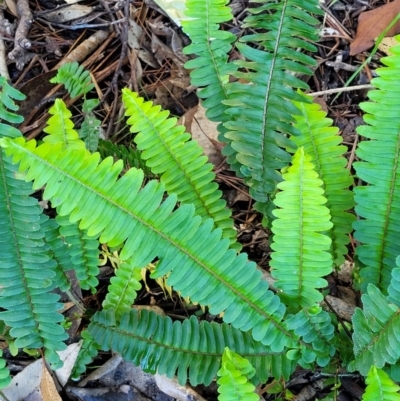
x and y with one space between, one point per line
174 9
67 13
372 23
387 44
47 387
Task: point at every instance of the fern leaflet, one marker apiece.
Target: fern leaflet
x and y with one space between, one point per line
5 378
199 262
301 222
234 375
321 141
380 169
183 167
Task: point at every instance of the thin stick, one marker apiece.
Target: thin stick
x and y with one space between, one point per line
345 89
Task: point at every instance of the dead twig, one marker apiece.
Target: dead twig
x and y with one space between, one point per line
22 43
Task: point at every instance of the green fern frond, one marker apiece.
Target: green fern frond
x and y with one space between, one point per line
26 271
129 155
315 327
87 353
191 349
58 252
322 142
123 288
5 378
199 263
179 161
394 287
380 387
60 127
376 334
91 126
234 375
75 78
84 252
261 108
7 107
211 69
380 169
302 221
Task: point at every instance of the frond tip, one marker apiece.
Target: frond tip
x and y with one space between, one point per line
302 221
380 387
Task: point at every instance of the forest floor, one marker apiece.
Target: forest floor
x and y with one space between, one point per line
137 46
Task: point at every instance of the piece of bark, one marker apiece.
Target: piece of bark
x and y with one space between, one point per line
22 43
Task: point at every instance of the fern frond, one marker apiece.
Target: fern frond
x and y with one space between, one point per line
5 378
394 287
75 78
261 110
87 353
234 375
123 288
60 127
84 252
380 387
322 142
315 327
179 161
380 169
129 155
91 126
7 107
26 272
58 252
376 334
211 69
191 349
199 262
302 221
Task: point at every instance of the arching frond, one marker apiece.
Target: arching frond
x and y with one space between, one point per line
380 387
199 263
179 161
190 349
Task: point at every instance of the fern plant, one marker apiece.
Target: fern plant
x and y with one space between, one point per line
274 330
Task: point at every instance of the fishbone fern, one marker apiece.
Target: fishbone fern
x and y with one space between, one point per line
183 167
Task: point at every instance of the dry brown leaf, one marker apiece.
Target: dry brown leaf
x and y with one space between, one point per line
372 23
48 388
387 44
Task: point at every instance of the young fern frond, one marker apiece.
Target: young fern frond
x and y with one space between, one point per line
191 349
60 127
7 107
211 69
84 253
380 169
380 387
376 334
5 378
322 142
58 252
123 289
75 78
199 263
302 221
315 327
180 162
234 375
261 108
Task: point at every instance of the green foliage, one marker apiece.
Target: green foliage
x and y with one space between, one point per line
234 378
380 387
322 142
183 168
5 378
379 168
91 126
301 221
83 251
191 349
261 108
75 78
